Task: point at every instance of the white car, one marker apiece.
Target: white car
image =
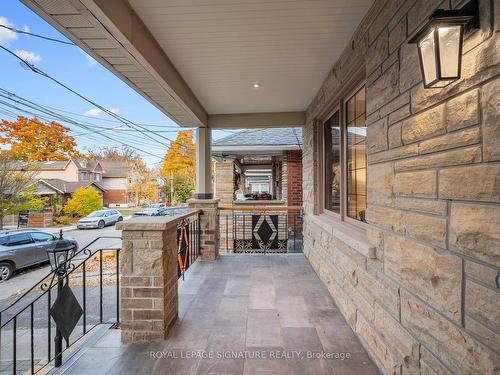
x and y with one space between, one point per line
152 210
99 219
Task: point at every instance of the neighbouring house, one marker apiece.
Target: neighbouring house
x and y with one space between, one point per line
259 166
55 188
63 177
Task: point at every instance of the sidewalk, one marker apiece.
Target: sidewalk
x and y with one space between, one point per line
54 229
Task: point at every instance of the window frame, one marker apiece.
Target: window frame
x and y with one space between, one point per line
338 105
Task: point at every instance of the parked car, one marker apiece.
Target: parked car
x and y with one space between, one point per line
21 248
99 219
152 210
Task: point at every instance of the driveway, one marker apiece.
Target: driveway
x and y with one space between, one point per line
27 277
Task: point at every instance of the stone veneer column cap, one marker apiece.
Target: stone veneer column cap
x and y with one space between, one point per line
153 223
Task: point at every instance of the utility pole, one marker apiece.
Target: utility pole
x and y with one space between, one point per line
171 187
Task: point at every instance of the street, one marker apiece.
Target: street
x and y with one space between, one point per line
25 278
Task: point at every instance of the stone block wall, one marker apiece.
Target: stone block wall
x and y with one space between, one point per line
428 301
224 182
148 279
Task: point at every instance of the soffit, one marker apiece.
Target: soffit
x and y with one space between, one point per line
220 47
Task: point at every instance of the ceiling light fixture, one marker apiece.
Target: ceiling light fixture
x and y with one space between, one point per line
256 85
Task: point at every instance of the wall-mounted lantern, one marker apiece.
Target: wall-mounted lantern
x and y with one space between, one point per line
440 43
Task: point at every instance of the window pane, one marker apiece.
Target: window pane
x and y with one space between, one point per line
356 156
19 239
332 163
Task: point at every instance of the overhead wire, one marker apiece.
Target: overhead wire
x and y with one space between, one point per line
126 122
17 31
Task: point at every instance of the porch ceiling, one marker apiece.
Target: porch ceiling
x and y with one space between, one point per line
195 58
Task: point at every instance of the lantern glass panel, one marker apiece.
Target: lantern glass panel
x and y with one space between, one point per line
428 57
61 258
449 50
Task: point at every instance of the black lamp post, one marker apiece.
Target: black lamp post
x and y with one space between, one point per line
440 43
58 256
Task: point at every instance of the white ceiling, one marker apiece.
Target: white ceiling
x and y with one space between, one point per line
220 47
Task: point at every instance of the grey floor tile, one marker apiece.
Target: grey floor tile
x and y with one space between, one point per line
232 311
174 362
301 339
136 359
223 338
263 328
217 366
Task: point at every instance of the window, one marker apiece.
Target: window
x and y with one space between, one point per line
84 176
97 177
19 239
356 156
332 163
42 237
344 158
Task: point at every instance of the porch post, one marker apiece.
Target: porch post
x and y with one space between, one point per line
204 188
203 197
148 278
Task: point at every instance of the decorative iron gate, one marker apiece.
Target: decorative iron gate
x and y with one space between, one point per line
260 229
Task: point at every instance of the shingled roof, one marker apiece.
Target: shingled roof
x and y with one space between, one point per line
68 187
263 137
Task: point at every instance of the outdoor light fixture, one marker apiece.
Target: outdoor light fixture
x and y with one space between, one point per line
59 254
256 85
440 43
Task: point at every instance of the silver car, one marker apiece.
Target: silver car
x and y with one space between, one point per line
24 247
99 219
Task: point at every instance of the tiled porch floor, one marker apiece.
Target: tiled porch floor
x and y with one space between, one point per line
261 304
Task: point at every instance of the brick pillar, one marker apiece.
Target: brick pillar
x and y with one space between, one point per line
148 278
209 227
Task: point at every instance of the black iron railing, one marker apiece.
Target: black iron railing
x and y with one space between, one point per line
188 242
260 229
27 325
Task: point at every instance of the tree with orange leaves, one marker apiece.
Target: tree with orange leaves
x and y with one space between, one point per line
34 140
178 169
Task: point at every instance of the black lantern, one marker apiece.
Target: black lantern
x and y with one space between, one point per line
59 254
440 43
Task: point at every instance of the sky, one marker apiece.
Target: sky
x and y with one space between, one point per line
70 65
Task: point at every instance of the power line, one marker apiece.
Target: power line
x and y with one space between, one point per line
73 123
37 35
12 97
122 119
84 127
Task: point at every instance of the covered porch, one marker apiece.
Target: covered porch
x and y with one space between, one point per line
401 165
242 314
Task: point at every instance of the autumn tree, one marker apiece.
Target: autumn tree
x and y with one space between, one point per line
178 168
16 187
34 140
124 153
83 201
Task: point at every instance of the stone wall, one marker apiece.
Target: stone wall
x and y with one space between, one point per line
224 182
420 286
148 278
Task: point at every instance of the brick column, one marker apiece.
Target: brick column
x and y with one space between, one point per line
148 278
209 227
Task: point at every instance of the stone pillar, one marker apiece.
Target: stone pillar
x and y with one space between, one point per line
224 182
148 278
209 227
204 188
